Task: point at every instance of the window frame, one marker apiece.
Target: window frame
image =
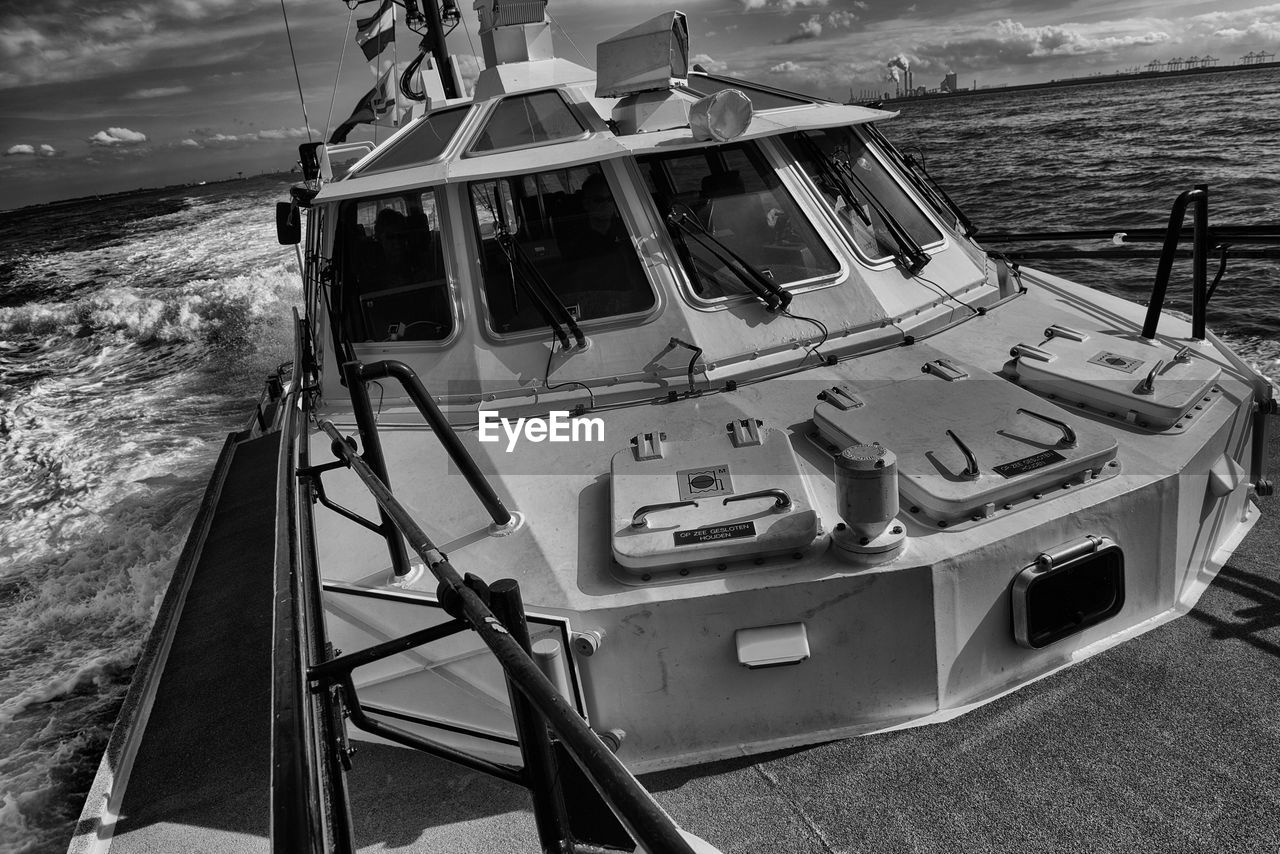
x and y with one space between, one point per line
453 301
926 212
541 333
470 151
831 239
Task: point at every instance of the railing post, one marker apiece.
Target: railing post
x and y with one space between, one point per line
1199 263
1156 305
363 410
531 729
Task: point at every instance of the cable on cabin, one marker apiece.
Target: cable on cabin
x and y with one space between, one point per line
821 327
570 38
546 378
940 289
328 122
305 121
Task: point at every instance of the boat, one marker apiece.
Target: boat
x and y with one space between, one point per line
643 418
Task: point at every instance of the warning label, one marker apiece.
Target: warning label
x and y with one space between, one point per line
715 533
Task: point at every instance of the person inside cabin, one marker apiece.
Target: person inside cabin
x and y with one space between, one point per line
604 230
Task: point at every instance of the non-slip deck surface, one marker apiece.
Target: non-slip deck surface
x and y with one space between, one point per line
202 774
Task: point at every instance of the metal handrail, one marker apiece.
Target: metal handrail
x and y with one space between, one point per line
643 818
1199 259
307 790
357 376
1203 237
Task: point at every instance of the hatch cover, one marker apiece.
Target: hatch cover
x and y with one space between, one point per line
1017 441
709 500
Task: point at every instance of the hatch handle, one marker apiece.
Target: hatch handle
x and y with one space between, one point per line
1148 385
971 470
782 501
1183 356
639 521
1068 435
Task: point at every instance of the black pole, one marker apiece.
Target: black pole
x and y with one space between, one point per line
435 40
1172 235
363 409
1199 263
458 452
531 729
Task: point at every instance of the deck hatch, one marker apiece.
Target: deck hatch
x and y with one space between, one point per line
968 447
1055 598
709 500
1144 382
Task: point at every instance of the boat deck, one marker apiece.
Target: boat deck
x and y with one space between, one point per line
1169 742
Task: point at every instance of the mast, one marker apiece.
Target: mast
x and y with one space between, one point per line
433 21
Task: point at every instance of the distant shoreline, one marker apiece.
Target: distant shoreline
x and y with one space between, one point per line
1073 81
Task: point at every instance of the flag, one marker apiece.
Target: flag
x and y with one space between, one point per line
375 32
376 103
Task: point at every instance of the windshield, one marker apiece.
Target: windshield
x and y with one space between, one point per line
565 226
738 200
862 222
392 274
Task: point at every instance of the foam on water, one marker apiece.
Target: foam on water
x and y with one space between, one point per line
121 371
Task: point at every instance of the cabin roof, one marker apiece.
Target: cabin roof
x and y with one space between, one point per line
456 161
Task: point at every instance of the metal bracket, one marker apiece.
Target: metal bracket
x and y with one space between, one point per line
1071 551
1056 331
971 470
841 397
1068 435
944 368
744 432
638 520
782 501
1148 385
648 446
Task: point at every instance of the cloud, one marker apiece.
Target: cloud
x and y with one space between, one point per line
23 149
787 67
161 92
784 5
117 136
1066 40
816 24
711 66
210 139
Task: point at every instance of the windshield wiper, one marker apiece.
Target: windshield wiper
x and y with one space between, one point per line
923 181
837 170
774 297
552 309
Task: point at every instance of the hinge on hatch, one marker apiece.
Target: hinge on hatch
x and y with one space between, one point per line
1071 551
841 397
648 446
744 432
944 368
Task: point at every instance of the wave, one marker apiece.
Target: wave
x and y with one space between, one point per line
213 311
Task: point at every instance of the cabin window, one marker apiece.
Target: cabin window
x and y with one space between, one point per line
564 227
393 284
521 121
737 198
423 143
818 151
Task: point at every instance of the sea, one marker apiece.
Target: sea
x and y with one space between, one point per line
136 331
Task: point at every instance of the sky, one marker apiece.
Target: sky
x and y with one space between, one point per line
100 96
